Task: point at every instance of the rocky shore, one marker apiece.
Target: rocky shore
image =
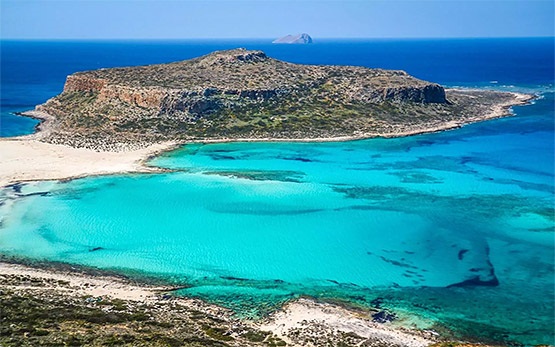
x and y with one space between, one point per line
485 110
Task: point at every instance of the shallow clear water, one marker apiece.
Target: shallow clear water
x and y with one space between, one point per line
455 227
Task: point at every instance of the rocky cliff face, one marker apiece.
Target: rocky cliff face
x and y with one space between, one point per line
431 93
227 79
241 93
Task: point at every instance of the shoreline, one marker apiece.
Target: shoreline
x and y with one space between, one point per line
27 158
299 321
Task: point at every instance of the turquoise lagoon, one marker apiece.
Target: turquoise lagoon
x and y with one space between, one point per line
454 227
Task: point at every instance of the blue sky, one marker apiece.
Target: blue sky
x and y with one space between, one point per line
150 19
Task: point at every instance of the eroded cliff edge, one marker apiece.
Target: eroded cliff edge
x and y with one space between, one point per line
241 94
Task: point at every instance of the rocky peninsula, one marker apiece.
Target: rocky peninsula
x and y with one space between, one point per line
240 94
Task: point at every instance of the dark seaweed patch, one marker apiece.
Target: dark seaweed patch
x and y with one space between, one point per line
461 253
527 185
221 157
301 159
261 175
36 194
542 230
16 187
262 210
436 162
231 278
416 177
465 160
398 263
474 206
222 150
476 281
377 302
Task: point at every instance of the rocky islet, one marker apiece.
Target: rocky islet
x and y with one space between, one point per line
241 94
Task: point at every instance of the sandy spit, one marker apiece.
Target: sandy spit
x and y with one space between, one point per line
23 159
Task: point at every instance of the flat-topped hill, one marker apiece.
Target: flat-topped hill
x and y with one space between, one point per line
239 94
258 76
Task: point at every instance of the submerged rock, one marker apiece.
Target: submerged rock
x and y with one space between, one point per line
383 317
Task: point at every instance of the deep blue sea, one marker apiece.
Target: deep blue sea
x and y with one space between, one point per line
408 222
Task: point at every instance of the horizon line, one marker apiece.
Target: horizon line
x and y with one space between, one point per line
272 38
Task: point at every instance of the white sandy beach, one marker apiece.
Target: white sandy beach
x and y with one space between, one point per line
305 314
23 159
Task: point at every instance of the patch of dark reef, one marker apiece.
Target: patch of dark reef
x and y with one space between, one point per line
473 206
261 175
461 253
477 281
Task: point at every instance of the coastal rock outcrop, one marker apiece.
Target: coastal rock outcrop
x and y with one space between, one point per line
243 93
83 83
296 39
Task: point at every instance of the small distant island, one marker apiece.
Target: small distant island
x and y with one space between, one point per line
245 95
296 39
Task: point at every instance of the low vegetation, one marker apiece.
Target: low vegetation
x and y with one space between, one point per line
33 316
